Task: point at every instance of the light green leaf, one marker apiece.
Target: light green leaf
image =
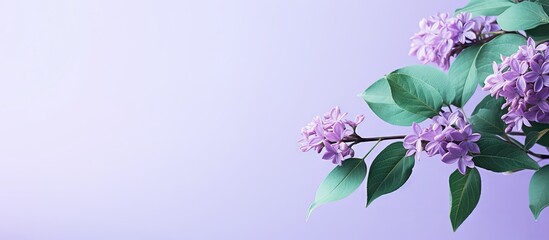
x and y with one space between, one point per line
389 171
379 99
463 75
432 76
540 33
340 183
485 7
490 52
414 96
523 16
465 193
499 156
539 191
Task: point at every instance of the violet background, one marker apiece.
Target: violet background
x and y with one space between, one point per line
179 120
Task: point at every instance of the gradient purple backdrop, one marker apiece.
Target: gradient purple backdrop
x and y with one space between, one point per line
179 120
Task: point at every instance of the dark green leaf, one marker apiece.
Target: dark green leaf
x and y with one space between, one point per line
431 76
486 117
487 121
389 171
340 183
486 7
465 193
540 33
379 99
523 16
544 4
539 191
532 137
499 156
490 103
538 127
463 75
490 52
530 140
414 96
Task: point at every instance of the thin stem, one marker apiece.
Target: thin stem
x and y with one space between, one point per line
511 141
371 149
371 139
541 156
450 108
516 134
498 32
460 48
538 155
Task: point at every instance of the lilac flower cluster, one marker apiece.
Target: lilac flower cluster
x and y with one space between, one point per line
450 136
523 80
330 133
440 36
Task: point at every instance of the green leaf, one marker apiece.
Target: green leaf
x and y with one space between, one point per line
532 137
379 99
530 140
486 117
499 156
474 64
540 33
432 76
523 16
340 183
465 193
389 171
486 7
539 191
414 96
544 4
487 121
463 75
490 103
490 52
538 127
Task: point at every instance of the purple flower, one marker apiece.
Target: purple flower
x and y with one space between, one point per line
330 133
538 99
436 147
355 123
333 117
447 132
523 80
539 75
469 138
462 28
485 25
458 153
458 119
333 153
313 136
441 37
494 82
516 73
412 142
338 133
436 138
515 118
